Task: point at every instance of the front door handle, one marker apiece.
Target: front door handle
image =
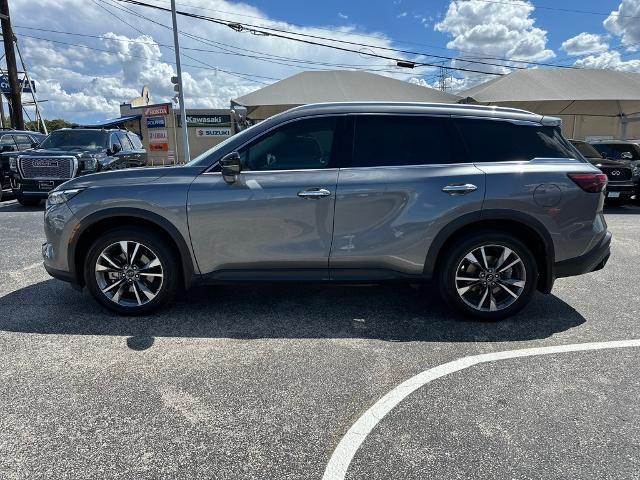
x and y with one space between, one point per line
459 188
314 193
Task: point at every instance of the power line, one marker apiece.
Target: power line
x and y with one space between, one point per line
556 9
237 75
270 58
111 52
275 33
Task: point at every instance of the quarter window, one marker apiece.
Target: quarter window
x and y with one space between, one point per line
23 141
386 140
304 144
503 141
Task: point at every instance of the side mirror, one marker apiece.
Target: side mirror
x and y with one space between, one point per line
34 145
231 167
115 148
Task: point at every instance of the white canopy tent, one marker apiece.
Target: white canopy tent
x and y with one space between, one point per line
591 102
334 86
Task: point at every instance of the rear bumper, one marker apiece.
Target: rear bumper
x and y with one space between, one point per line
626 189
594 259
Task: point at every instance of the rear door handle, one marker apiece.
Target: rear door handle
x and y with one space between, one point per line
459 188
314 193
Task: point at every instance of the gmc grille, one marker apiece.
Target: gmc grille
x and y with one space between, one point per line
616 174
46 167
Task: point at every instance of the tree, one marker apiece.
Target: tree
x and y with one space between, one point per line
54 124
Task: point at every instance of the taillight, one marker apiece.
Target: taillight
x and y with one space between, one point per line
590 182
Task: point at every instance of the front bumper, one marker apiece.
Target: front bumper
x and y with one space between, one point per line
60 226
34 188
594 259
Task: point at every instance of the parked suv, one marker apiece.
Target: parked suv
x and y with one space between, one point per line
616 160
68 153
491 203
13 141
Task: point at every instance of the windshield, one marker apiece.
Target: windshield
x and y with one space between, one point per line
619 151
587 150
75 139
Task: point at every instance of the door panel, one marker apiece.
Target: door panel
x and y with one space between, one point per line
260 222
390 201
387 217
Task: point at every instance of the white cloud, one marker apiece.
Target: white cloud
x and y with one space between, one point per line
595 51
585 44
402 15
480 29
625 23
83 85
343 16
610 60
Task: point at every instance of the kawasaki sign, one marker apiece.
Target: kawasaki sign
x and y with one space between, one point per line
203 120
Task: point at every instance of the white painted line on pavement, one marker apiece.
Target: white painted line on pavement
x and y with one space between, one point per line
350 443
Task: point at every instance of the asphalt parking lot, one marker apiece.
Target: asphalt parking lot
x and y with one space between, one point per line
265 381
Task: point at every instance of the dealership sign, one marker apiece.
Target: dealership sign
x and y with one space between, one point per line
158 136
213 132
158 147
156 110
206 120
24 84
156 122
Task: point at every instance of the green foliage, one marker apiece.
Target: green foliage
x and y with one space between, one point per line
54 124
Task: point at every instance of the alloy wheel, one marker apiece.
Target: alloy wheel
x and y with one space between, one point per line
490 278
129 273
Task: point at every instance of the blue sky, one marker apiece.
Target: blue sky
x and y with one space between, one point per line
383 16
88 56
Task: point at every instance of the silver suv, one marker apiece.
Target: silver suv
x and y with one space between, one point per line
490 203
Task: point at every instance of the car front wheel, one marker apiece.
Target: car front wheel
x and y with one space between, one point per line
488 275
131 271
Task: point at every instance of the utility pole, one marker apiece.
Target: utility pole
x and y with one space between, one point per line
17 120
442 79
179 85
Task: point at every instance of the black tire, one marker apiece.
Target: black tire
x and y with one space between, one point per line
169 266
28 202
455 255
615 202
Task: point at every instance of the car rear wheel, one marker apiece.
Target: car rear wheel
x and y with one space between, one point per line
488 275
131 271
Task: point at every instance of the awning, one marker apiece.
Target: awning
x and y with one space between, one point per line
114 122
562 91
335 86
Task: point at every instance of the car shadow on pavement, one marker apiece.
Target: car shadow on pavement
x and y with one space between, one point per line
395 313
13 206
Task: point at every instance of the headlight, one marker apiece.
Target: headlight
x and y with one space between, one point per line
90 163
57 197
13 164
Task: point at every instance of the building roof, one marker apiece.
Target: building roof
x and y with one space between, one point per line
598 93
561 84
339 86
113 122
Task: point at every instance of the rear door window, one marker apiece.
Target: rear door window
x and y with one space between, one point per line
23 141
389 140
504 141
619 151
